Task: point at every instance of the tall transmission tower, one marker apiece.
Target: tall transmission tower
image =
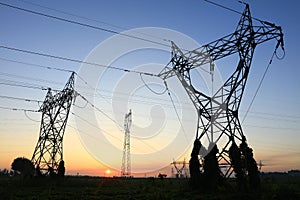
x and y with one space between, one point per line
126 162
55 110
218 115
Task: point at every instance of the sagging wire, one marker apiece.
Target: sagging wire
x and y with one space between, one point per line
177 114
94 20
74 60
279 42
147 86
25 113
17 109
99 110
82 24
86 103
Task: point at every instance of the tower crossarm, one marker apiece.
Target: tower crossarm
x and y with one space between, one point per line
66 95
227 45
57 100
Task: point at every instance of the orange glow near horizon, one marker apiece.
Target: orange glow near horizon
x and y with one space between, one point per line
79 161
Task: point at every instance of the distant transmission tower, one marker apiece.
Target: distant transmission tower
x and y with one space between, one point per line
55 109
126 163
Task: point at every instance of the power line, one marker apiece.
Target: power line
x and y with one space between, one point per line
276 119
58 69
270 127
54 68
167 89
29 85
82 24
99 110
16 84
17 109
224 7
259 85
36 65
22 99
25 113
28 78
230 9
275 114
85 82
88 122
93 20
75 60
149 88
25 86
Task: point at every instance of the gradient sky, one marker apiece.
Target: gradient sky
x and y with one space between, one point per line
271 127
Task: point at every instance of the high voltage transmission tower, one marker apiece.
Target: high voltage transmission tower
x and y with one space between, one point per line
181 171
126 162
48 153
218 115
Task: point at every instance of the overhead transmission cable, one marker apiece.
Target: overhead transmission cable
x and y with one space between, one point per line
232 10
22 99
25 113
88 122
75 60
149 88
82 24
259 85
86 83
36 65
93 20
16 84
177 114
99 110
17 109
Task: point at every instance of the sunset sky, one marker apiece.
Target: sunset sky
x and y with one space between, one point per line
93 139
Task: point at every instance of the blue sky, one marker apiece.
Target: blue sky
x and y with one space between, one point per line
272 126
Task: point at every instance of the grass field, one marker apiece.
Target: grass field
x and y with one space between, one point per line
135 188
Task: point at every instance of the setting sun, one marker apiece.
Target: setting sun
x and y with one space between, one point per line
107 171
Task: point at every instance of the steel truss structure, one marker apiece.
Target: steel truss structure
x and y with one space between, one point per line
218 115
55 110
126 162
181 171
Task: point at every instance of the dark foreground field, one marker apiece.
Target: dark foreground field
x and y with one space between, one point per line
116 188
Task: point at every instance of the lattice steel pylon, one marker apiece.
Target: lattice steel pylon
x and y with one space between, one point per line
126 162
218 114
55 111
181 171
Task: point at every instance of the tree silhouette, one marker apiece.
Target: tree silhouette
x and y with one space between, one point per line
23 166
61 169
236 161
251 166
194 166
211 169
